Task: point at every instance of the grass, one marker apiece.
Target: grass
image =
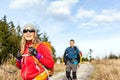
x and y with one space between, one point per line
59 68
106 70
4 75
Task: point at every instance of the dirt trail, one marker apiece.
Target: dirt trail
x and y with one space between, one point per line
83 73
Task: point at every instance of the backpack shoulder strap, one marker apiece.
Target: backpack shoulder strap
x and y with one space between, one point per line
75 49
36 45
35 59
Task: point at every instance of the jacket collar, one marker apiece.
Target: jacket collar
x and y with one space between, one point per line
28 44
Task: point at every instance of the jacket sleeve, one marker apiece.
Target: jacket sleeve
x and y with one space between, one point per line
65 58
47 59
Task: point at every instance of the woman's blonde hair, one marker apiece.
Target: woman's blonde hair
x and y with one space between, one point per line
35 40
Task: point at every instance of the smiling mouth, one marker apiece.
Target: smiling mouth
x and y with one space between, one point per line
28 36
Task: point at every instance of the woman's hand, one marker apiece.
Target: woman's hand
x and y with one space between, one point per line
19 56
34 52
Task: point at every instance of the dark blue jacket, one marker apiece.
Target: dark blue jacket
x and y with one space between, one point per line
71 54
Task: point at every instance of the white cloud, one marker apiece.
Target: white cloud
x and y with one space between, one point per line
107 16
58 9
103 19
87 25
81 14
61 9
92 18
108 11
23 4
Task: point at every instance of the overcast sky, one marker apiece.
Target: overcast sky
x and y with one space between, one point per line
93 24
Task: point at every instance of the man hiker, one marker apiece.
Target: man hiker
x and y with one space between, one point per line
71 59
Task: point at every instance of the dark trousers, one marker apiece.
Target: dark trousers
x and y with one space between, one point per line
71 67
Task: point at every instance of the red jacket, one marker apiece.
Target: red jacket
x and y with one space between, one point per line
29 69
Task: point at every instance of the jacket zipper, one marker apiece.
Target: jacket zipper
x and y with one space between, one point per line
26 69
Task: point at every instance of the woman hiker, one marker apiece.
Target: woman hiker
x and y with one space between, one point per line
33 56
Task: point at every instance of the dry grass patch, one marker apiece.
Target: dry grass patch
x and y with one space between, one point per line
106 70
5 75
59 68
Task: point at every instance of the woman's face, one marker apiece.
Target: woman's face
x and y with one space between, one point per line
29 34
